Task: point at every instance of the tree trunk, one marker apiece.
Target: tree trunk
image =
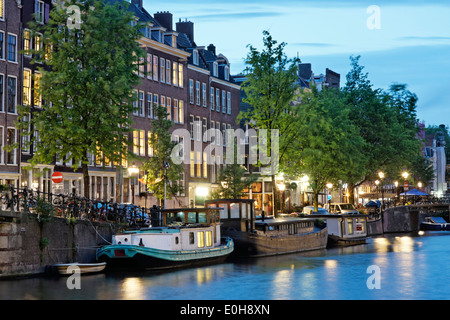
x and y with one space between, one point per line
274 198
86 184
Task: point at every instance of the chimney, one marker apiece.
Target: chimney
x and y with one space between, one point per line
164 19
186 27
137 3
212 48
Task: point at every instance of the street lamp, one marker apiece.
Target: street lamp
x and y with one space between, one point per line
132 171
396 190
381 175
405 176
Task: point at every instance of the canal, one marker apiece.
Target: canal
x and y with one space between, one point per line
402 266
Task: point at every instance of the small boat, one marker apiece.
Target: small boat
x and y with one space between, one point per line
184 237
63 268
434 224
266 236
346 229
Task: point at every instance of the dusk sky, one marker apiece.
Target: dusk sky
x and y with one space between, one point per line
407 42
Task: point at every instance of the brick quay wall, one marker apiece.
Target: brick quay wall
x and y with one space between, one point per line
28 247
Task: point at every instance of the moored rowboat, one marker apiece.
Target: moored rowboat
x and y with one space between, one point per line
68 268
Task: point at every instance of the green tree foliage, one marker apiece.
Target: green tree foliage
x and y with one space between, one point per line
87 78
329 151
270 89
161 143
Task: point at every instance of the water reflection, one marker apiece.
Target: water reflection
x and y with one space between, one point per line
411 267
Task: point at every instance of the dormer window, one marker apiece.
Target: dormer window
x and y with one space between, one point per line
215 69
195 57
227 73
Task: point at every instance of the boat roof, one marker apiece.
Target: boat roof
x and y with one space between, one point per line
191 209
285 220
230 200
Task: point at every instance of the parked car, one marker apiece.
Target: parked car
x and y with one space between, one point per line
310 210
341 208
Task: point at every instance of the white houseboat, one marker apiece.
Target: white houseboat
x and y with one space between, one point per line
346 229
186 237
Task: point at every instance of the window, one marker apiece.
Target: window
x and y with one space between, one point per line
135 104
191 91
141 104
2 9
218 100
195 57
212 131
215 69
149 66
211 98
228 102
227 73
11 139
149 105
199 164
39 11
136 142
1 144
204 129
163 101
204 98
162 65
224 104
168 72
2 44
141 67
191 126
26 87
191 238
350 226
11 95
209 238
27 42
37 94
198 127
192 165
197 93
217 134
12 48
155 68
169 108
175 73
1 92
224 134
142 142
205 165
155 102
200 239
175 110
181 111
180 75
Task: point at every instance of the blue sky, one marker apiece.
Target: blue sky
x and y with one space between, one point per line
411 45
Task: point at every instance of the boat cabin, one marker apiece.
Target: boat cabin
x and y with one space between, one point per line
182 229
284 226
237 214
346 226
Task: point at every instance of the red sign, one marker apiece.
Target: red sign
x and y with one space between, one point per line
405 185
57 177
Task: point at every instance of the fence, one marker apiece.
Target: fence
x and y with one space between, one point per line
72 206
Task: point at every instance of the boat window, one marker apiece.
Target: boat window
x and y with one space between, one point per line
191 238
350 226
244 211
200 239
174 217
208 238
234 210
177 241
224 212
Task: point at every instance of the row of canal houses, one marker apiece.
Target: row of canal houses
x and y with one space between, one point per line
193 82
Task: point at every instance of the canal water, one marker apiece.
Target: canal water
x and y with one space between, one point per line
389 267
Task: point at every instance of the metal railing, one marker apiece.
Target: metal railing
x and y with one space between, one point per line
73 206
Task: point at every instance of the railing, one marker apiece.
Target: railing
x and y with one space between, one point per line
72 206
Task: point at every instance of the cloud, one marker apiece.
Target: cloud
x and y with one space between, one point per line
425 38
313 44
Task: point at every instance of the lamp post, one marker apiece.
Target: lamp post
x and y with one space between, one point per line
405 176
381 175
132 171
396 188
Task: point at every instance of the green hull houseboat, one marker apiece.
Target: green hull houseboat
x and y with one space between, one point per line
266 236
184 237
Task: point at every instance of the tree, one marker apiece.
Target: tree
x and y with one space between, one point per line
330 148
387 123
87 77
162 145
270 89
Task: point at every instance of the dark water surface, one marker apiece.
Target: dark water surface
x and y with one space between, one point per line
409 267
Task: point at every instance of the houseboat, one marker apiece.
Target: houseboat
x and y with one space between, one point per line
178 238
266 236
346 229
